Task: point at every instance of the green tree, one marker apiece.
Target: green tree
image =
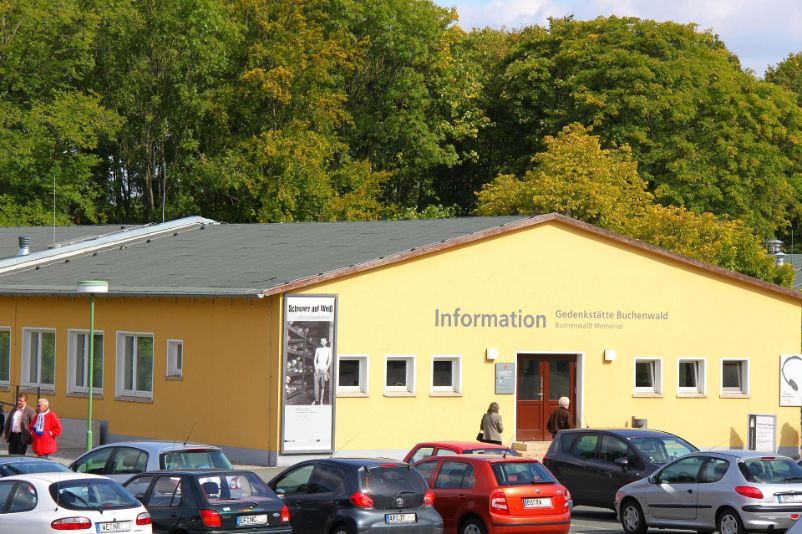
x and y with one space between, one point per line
576 176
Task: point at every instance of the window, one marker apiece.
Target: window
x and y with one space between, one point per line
713 470
5 357
399 373
135 365
296 481
691 377
585 447
138 487
455 475
352 374
78 362
613 449
129 461
24 498
426 469
175 358
420 454
684 471
648 376
446 374
93 462
734 377
39 358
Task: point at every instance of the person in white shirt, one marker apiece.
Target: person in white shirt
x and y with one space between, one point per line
15 430
322 364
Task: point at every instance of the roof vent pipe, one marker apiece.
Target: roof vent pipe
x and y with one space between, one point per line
24 245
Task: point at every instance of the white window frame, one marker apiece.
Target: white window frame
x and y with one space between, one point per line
362 388
456 373
172 368
72 353
409 389
731 392
26 362
657 387
7 383
701 377
120 361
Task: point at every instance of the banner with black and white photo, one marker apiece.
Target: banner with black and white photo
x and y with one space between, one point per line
308 383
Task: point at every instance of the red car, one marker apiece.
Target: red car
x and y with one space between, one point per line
477 494
450 448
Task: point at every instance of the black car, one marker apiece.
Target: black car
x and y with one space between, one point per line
210 501
346 496
24 465
593 464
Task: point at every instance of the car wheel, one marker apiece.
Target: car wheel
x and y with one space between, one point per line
342 529
729 522
632 518
472 526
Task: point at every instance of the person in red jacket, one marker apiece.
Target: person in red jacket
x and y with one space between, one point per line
45 428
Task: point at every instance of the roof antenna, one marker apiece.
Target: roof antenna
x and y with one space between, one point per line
190 433
335 451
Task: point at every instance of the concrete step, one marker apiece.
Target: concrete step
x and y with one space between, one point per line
532 449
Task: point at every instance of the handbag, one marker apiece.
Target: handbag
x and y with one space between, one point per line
480 436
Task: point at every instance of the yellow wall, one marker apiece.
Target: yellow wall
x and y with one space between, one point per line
228 377
540 271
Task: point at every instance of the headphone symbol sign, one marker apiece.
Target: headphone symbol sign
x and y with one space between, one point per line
790 381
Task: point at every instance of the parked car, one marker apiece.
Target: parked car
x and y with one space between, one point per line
357 495
729 491
594 463
47 502
23 465
480 494
210 501
121 460
447 448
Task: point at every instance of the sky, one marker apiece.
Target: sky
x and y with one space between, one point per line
760 32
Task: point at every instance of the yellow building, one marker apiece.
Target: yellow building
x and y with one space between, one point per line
224 332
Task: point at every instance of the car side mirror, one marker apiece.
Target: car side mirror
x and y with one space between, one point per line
140 497
652 479
623 462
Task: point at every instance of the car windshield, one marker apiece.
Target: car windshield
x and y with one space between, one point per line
521 473
234 486
508 452
23 468
770 470
92 494
194 459
661 450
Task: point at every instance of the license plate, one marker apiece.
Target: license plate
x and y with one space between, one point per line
541 502
113 526
248 520
400 519
794 497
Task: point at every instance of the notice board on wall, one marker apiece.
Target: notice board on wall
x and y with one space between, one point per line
761 432
505 378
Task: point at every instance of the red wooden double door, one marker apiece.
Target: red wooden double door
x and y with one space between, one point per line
542 380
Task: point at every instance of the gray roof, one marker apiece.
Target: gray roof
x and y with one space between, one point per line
236 259
42 237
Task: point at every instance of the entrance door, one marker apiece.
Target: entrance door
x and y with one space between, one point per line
542 380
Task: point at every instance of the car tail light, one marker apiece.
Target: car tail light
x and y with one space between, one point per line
71 523
567 498
362 500
428 497
794 517
143 519
211 518
498 503
285 514
749 491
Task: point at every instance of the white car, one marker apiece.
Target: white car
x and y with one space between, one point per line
47 502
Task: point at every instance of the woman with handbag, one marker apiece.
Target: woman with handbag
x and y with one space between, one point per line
490 428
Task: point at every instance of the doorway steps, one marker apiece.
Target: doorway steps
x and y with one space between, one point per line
532 449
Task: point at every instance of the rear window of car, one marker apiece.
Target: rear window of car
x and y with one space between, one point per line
521 473
23 468
508 452
233 486
92 494
770 470
389 480
661 450
194 459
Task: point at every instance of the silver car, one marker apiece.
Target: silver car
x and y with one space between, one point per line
732 491
124 459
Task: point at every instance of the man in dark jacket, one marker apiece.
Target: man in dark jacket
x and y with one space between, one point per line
559 418
15 430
